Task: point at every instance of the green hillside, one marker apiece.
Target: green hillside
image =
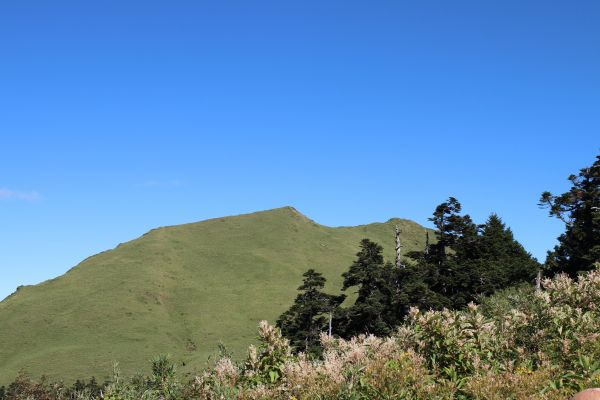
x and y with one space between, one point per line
178 290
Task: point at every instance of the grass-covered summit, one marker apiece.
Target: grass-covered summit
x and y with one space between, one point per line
179 290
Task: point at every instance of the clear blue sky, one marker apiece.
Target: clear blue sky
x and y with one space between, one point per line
120 116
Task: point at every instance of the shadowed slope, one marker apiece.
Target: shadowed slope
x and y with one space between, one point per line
178 290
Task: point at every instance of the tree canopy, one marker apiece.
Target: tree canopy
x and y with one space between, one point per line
374 280
308 316
578 247
465 261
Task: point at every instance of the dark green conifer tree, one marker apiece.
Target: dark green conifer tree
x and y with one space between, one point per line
502 261
416 283
467 261
578 247
309 315
456 243
373 311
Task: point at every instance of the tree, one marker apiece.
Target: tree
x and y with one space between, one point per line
447 221
502 260
456 244
372 312
303 323
466 261
578 247
416 289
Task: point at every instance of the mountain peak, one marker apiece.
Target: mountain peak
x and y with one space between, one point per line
180 290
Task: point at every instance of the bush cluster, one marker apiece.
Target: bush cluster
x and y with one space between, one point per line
518 344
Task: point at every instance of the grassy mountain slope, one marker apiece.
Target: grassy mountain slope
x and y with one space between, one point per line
178 290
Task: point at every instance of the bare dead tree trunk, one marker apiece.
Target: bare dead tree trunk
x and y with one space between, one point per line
426 242
399 264
330 318
538 280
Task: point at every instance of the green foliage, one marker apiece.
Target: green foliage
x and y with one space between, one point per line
503 301
467 261
303 323
546 348
579 208
372 312
163 379
265 364
501 260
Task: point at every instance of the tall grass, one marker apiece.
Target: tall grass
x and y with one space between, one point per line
516 345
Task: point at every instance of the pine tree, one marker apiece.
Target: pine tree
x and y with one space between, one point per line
579 246
372 311
456 245
502 260
467 261
416 289
447 221
310 313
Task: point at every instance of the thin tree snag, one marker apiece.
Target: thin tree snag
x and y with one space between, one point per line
399 264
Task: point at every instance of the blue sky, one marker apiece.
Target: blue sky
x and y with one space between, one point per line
117 117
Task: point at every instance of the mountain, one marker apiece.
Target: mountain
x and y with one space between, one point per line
178 290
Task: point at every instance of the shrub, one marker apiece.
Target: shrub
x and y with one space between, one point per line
520 344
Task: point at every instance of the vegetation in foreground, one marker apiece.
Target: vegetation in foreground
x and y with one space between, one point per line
517 344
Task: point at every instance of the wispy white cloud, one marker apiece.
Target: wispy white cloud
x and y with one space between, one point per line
8 194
